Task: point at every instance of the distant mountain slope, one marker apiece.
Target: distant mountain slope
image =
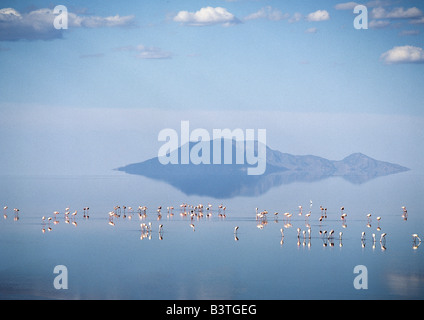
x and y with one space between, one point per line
228 180
359 163
359 168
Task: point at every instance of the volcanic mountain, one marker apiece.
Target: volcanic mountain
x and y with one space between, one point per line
229 180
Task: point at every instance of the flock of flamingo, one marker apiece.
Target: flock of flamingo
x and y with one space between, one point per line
304 236
70 218
187 210
198 212
16 213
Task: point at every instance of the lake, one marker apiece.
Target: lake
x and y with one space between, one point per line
203 257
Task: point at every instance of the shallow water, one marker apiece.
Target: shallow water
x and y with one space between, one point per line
115 262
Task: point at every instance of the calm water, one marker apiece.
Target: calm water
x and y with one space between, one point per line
115 262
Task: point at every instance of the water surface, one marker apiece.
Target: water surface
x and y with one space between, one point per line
115 262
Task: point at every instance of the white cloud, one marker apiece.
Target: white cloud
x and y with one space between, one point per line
143 52
97 22
403 54
319 15
396 13
38 24
207 16
417 21
268 13
379 13
409 33
379 3
378 24
345 6
9 14
296 17
311 30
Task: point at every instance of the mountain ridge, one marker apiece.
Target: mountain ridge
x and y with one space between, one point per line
228 180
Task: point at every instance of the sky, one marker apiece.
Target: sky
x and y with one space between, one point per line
100 91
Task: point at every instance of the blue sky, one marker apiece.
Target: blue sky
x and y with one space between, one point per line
256 62
152 59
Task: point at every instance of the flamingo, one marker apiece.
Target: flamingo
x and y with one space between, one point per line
378 223
416 237
363 239
415 243
324 240
405 213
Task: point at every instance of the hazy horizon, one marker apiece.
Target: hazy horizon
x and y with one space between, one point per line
96 141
